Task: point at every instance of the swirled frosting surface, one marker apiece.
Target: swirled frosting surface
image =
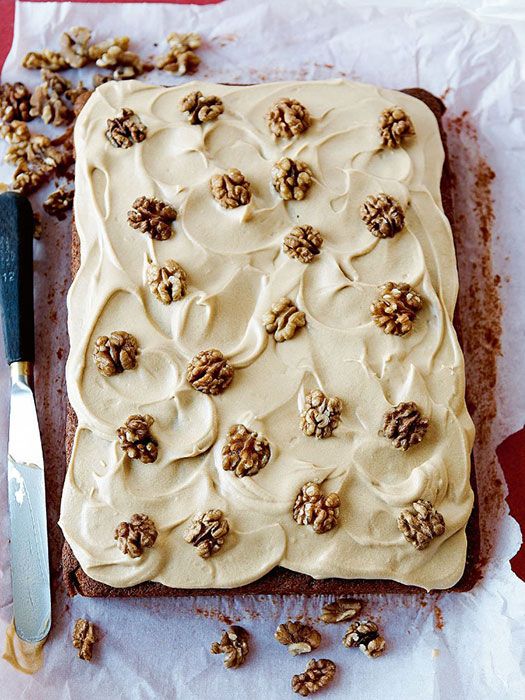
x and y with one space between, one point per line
236 269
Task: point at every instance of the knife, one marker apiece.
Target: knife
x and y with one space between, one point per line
25 461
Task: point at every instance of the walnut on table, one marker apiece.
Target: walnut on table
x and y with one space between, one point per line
340 610
153 217
168 283
383 215
404 425
365 636
201 109
181 57
245 452
48 99
288 118
291 178
297 637
394 126
394 311
421 523
313 508
15 102
303 243
114 53
283 320
74 45
59 202
321 415
317 675
234 645
126 129
209 372
115 353
230 189
135 536
136 440
84 638
207 532
53 60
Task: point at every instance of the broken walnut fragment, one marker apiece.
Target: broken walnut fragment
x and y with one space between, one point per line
153 217
288 118
395 309
201 109
53 60
74 45
291 178
321 415
133 537
245 452
404 425
421 523
115 353
48 99
234 646
313 508
365 636
14 102
297 637
303 243
59 202
126 129
136 440
207 532
283 319
383 215
209 372
394 126
181 57
340 610
84 638
167 283
230 189
317 675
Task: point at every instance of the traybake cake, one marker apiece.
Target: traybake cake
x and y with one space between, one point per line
264 372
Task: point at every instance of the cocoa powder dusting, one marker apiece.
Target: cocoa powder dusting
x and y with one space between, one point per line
439 622
479 307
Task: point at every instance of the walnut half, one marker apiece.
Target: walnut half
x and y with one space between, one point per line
283 320
230 189
133 537
365 636
297 637
404 425
421 523
201 109
321 415
288 118
394 126
394 311
126 129
245 452
318 673
209 372
207 532
84 638
136 440
291 178
234 646
313 508
383 215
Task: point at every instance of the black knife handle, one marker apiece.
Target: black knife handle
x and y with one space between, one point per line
16 276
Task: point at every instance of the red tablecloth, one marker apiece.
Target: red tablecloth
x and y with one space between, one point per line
511 452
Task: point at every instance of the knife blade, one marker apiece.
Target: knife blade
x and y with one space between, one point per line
25 462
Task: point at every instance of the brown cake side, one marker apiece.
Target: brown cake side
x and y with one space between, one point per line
281 581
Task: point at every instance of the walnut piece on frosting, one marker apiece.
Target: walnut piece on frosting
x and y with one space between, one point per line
245 452
209 372
394 126
181 57
404 425
340 610
321 415
365 636
133 537
317 675
167 283
136 440
207 532
115 353
153 217
291 178
126 129
421 523
297 637
394 311
287 118
383 215
313 508
14 102
230 189
201 109
283 319
84 638
234 646
303 243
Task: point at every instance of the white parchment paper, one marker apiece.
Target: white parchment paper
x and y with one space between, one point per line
461 646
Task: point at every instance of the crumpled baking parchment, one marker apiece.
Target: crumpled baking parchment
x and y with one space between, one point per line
468 645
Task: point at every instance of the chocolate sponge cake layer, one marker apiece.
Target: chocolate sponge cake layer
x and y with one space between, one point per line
281 581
